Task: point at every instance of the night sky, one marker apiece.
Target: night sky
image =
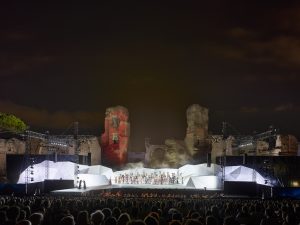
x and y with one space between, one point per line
64 63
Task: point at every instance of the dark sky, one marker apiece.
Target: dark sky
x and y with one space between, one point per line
63 63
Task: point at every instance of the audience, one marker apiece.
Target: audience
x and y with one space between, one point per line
120 210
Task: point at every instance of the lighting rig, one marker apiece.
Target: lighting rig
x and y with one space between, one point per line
53 144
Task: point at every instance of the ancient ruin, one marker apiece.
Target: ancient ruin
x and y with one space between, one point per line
197 129
198 143
175 153
114 140
17 146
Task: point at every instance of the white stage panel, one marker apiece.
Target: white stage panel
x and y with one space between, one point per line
56 171
242 173
92 180
197 176
205 182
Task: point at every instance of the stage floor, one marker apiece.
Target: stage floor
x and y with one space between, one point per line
130 186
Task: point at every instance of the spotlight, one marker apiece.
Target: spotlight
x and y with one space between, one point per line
295 184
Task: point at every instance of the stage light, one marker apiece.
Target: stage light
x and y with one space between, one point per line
245 145
266 161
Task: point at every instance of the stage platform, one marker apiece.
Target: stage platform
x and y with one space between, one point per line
128 187
77 191
99 179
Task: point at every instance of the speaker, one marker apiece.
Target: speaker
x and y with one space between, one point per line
244 159
208 159
89 159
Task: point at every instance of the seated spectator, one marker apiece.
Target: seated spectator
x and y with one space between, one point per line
154 214
110 221
12 214
211 220
175 222
195 216
67 220
83 218
215 213
3 217
97 217
36 218
116 212
269 218
244 217
150 220
24 222
134 212
229 220
27 209
22 215
136 222
123 219
107 213
290 219
190 212
192 222
256 214
177 216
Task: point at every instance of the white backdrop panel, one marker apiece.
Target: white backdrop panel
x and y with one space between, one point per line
93 180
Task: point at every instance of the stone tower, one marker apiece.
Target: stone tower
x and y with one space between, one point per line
114 140
197 129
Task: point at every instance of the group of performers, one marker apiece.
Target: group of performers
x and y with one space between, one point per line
155 178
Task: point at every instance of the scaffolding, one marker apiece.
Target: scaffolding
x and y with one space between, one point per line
29 161
52 143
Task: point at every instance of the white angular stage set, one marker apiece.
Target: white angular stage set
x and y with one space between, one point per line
99 177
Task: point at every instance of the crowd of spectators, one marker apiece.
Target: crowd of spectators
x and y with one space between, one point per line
127 210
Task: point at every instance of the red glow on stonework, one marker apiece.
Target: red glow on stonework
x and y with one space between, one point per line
114 140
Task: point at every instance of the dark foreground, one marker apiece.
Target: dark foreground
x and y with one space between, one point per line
111 208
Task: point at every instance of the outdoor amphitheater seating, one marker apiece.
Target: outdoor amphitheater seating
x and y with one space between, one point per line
111 209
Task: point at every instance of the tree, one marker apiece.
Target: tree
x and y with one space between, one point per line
11 123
